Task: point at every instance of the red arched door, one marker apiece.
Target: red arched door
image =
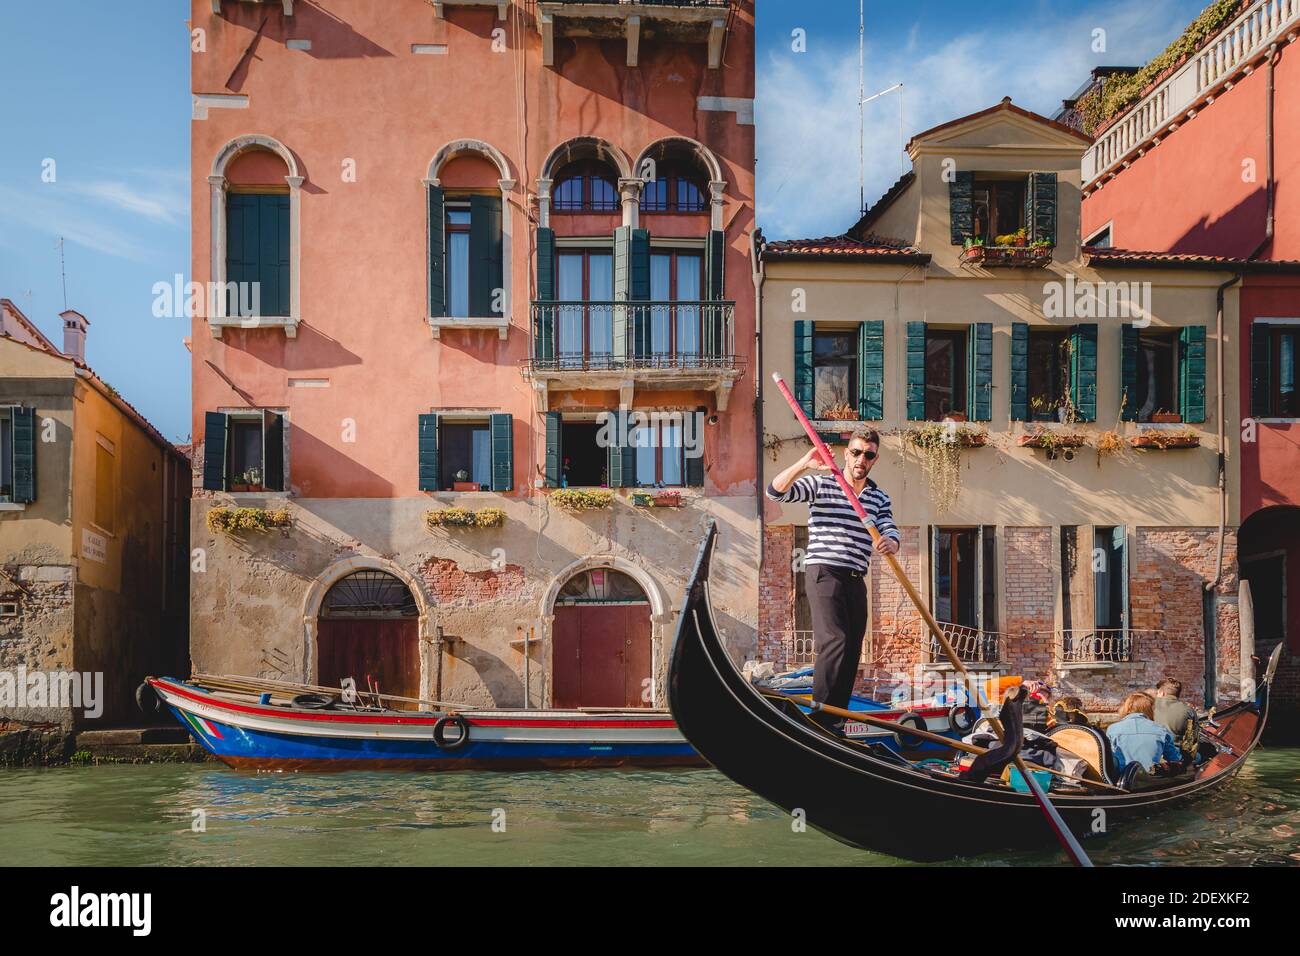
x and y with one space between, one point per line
369 631
601 652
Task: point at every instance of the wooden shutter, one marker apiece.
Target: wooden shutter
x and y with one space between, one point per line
273 257
243 246
503 452
544 324
1041 199
214 451
916 371
639 266
694 467
1191 372
871 371
1261 370
1128 372
554 450
1083 370
961 207
428 452
272 450
24 425
1019 371
437 255
714 252
622 458
623 334
803 365
981 371
485 265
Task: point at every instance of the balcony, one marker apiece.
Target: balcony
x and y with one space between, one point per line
973 645
1095 648
669 21
679 346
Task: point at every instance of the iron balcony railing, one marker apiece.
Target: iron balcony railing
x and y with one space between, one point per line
973 645
607 336
1100 646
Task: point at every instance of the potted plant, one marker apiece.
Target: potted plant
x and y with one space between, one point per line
1018 238
668 499
251 480
1163 416
642 499
461 482
1164 440
972 249
840 412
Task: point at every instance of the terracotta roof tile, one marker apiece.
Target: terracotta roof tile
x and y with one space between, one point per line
880 248
1187 260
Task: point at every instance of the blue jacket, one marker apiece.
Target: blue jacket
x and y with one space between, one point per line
1141 739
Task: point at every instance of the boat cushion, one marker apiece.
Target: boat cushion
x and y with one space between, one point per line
1090 744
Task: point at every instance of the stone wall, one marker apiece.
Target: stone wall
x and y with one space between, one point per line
39 636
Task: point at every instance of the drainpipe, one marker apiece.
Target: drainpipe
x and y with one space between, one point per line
756 244
1269 193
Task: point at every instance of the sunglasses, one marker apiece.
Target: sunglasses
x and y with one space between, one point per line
859 452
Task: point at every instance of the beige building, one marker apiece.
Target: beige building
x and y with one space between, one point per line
93 536
1052 417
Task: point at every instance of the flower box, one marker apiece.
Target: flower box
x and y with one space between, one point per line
643 500
668 499
233 520
1010 256
244 486
465 486
464 518
579 499
1163 441
1166 418
937 433
1048 439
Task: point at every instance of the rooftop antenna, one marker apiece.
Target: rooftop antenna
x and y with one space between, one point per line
862 167
64 273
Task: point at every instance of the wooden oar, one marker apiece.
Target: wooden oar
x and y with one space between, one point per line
926 735
255 685
1068 841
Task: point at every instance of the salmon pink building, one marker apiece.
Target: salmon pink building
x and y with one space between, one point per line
1204 166
476 344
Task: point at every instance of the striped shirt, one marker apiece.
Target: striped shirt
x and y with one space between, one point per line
836 535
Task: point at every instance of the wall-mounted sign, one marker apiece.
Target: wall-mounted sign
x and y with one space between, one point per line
94 547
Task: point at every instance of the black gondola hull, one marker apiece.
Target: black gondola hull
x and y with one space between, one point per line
866 801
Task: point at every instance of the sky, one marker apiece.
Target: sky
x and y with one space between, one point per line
95 113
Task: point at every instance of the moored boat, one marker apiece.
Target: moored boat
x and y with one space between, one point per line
871 798
251 731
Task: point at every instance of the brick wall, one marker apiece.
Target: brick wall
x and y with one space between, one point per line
1029 586
776 591
897 642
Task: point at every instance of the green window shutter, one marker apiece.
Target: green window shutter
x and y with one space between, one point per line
1019 371
1041 194
24 425
503 452
214 451
1261 370
961 207
1191 372
554 450
803 365
546 265
1083 370
273 255
485 265
695 466
243 251
428 452
916 370
714 252
871 371
272 450
622 292
981 372
437 255
622 458
639 266
1128 372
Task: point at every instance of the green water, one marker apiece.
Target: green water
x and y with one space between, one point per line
141 815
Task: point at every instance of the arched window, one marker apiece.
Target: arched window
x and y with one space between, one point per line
586 186
601 586
676 187
369 594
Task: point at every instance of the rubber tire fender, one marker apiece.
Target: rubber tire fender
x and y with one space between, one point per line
907 741
440 732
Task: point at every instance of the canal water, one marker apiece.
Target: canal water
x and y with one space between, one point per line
143 815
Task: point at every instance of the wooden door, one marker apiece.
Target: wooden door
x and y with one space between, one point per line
386 649
601 655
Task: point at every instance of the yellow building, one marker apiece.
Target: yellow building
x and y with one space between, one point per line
93 536
1052 417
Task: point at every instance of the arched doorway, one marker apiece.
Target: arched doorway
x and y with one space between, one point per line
369 630
1268 553
602 652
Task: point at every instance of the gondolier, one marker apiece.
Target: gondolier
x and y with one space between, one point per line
839 556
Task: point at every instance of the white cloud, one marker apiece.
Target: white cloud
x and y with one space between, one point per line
807 103
159 204
60 213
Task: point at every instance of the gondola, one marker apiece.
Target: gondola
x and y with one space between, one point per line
872 799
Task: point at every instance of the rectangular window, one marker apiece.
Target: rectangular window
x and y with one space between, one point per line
964 590
458 223
675 277
585 464
659 459
257 253
466 454
1156 388
1100 239
105 484
835 373
945 373
1049 373
999 208
1284 400
246 452
586 320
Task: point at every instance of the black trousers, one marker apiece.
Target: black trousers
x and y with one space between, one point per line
838 598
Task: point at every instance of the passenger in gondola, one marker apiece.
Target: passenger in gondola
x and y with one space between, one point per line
1036 705
1068 710
1136 737
839 556
1180 718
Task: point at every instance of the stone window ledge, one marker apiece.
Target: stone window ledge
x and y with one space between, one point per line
499 322
12 506
219 323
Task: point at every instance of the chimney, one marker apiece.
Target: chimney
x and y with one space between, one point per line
74 334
